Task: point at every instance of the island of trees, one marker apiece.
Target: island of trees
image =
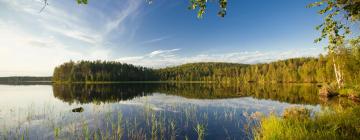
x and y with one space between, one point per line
102 71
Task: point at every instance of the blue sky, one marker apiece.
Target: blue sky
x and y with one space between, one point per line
164 33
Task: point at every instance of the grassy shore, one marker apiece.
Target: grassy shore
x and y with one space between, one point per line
297 124
129 82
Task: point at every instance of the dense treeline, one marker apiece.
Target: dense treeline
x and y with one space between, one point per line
93 71
295 70
210 71
290 70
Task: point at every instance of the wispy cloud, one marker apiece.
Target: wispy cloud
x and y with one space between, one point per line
63 31
77 22
163 53
163 58
154 40
152 59
130 8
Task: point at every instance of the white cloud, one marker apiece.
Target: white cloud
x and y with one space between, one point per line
132 58
131 9
75 34
163 58
163 53
160 101
33 43
154 40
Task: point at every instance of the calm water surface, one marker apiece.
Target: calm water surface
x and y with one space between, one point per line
144 111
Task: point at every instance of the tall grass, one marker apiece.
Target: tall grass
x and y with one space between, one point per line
336 123
200 131
186 122
175 122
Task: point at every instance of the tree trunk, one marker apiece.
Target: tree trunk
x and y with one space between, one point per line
338 75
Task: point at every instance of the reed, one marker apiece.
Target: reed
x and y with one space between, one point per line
200 131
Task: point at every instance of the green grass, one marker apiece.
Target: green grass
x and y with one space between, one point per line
350 91
338 123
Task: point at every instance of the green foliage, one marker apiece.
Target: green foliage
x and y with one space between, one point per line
201 6
335 28
82 1
338 123
348 59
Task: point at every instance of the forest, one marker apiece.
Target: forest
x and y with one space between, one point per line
294 70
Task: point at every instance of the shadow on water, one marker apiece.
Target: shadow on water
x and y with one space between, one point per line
107 93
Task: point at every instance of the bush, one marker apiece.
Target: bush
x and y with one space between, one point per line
296 113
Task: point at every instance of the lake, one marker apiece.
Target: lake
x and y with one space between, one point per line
145 111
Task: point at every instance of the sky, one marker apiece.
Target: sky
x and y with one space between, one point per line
163 33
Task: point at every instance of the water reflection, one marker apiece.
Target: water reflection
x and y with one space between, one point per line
143 111
105 93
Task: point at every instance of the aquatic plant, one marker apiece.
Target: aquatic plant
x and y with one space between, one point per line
119 127
200 131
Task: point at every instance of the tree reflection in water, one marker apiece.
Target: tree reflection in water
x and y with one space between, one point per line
106 93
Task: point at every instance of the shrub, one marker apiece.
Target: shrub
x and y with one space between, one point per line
296 113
